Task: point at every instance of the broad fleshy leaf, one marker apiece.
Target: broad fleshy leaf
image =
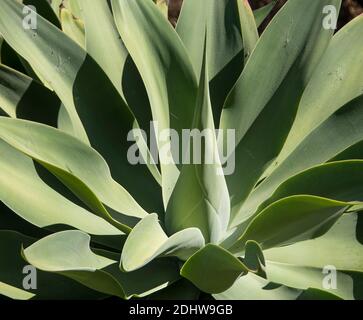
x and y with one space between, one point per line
24 192
224 44
22 97
165 69
290 220
261 121
213 269
82 86
339 250
203 184
77 165
49 286
68 253
342 181
252 287
148 241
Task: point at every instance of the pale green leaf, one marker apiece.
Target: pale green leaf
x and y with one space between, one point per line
148 241
78 166
101 33
340 71
73 27
49 286
204 185
164 65
25 193
14 293
252 287
291 220
68 253
254 107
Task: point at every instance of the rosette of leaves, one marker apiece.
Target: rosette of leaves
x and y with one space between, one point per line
284 225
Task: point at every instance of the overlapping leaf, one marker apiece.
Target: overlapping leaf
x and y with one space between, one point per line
148 241
77 165
165 69
214 270
68 253
224 43
339 249
48 286
323 116
254 107
82 86
291 220
24 192
203 184
22 97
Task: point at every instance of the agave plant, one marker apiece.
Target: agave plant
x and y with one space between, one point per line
284 225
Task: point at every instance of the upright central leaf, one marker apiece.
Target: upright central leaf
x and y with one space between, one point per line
200 198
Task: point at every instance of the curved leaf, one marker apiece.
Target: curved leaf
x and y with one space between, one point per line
68 253
344 128
221 20
45 253
49 286
339 247
101 33
254 258
24 192
304 262
287 50
77 165
342 181
318 108
291 220
213 269
53 56
301 277
261 120
252 287
22 97
148 241
9 220
162 62
82 86
339 71
14 293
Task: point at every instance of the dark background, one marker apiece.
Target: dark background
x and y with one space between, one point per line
350 9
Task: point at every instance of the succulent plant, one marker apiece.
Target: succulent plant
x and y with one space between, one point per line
284 224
